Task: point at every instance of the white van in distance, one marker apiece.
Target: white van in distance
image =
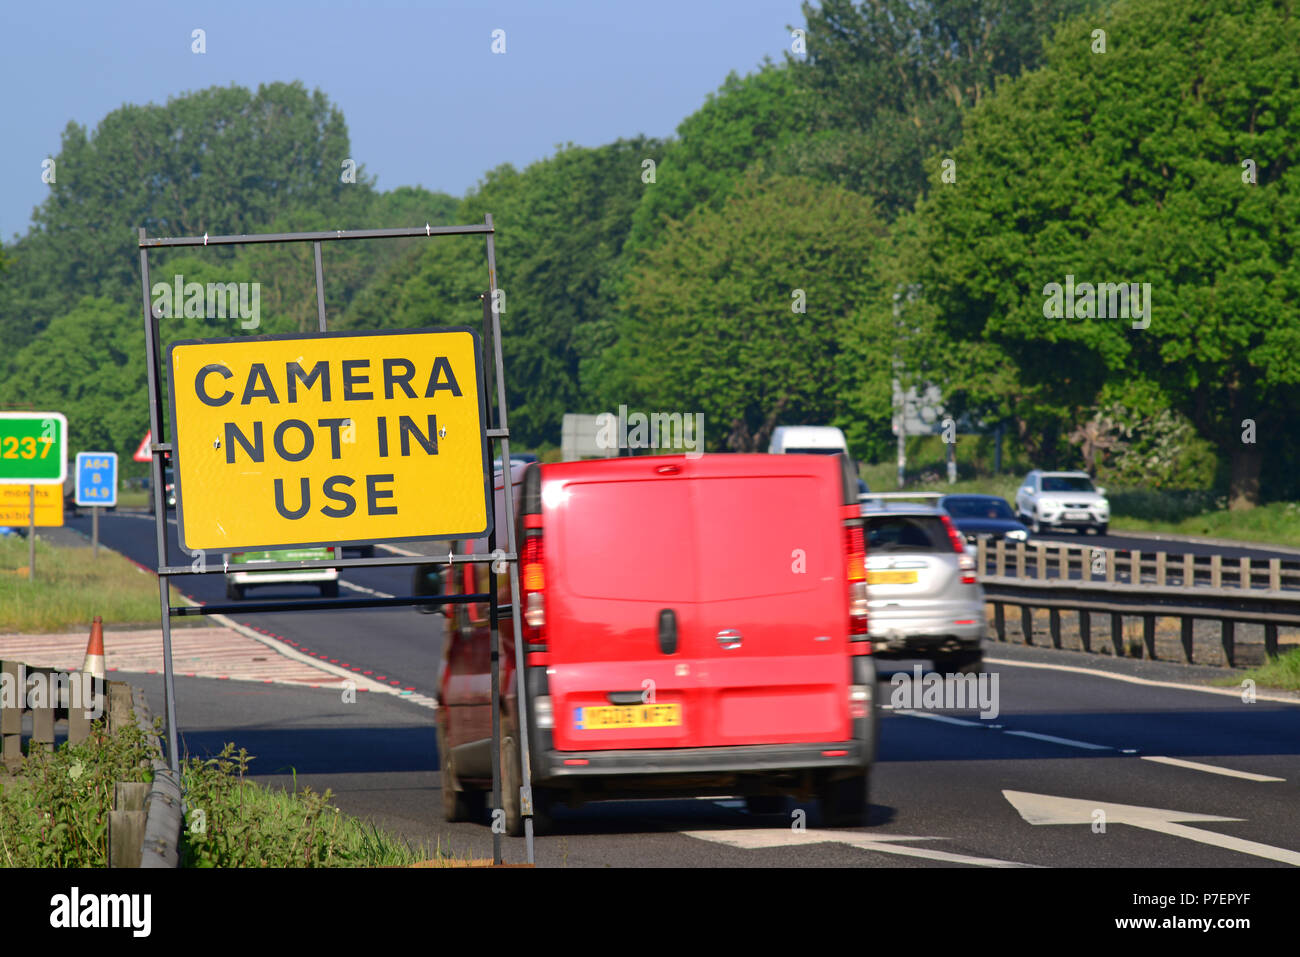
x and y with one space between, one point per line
807 439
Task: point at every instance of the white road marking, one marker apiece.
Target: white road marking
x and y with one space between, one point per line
940 717
1066 741
729 803
1049 809
1231 692
364 589
760 838
1195 766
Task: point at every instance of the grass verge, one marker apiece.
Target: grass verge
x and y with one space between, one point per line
234 823
54 813
71 588
1282 671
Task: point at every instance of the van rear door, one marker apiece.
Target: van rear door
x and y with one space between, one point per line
713 587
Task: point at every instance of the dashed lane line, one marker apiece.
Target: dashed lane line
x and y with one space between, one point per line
1068 742
1212 769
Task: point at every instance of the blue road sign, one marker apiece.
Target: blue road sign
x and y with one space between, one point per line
97 478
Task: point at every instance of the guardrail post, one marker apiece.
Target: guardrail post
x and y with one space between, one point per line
1243 576
1189 569
1020 559
1216 570
1149 630
43 718
1064 568
1270 639
999 619
1160 569
1040 560
126 825
1054 626
1229 639
1112 559
999 557
1135 567
1275 574
11 719
982 555
1027 624
1117 633
1188 623
119 705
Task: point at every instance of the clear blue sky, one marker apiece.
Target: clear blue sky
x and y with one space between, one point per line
426 101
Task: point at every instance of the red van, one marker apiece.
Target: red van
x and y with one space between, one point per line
693 626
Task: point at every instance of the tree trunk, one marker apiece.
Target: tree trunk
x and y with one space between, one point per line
1243 490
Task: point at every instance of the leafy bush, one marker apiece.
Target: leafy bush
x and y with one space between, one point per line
54 813
1164 506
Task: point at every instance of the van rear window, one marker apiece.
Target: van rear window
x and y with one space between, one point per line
906 533
698 540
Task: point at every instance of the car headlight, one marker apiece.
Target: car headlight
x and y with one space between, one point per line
1018 534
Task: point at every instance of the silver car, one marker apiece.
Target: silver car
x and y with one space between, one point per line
924 597
1058 500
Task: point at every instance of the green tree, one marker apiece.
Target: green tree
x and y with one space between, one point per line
561 225
222 160
1167 160
886 82
748 119
751 314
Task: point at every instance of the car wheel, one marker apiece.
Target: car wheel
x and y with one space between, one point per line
457 804
969 663
846 803
1103 528
234 592
1035 528
329 589
366 551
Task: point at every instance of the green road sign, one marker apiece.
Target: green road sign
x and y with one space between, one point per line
33 447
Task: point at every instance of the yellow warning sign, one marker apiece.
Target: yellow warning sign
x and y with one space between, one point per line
319 440
15 505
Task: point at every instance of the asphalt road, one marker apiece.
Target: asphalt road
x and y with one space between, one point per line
1179 777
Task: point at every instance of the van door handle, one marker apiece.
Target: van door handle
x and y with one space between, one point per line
730 638
625 697
668 631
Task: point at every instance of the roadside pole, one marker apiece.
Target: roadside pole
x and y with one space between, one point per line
94 530
31 533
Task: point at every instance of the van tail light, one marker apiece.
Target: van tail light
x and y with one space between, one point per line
966 563
855 559
533 585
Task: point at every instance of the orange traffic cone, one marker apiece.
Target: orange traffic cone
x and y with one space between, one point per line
94 663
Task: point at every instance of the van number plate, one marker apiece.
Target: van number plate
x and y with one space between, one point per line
627 716
891 578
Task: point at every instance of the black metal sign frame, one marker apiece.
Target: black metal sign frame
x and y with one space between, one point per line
497 430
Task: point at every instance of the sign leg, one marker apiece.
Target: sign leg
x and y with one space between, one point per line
94 530
31 534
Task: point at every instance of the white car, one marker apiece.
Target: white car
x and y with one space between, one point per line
1056 500
807 439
